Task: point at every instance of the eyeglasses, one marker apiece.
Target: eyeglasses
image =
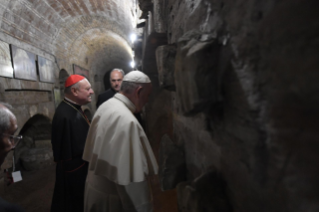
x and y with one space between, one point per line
14 139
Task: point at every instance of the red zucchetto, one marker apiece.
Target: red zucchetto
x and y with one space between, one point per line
71 80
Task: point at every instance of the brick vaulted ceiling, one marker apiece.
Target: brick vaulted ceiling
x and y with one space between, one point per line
56 26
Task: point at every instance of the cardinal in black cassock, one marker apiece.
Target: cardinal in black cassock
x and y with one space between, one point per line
69 130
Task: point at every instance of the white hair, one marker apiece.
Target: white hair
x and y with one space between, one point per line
118 70
5 117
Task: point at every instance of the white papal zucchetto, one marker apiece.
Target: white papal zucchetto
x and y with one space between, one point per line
136 77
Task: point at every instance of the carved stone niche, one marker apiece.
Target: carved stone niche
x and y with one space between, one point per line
197 66
165 58
206 193
172 164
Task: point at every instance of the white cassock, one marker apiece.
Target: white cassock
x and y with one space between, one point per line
120 157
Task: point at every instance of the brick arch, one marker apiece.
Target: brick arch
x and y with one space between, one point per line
38 124
36 142
100 50
100 46
49 25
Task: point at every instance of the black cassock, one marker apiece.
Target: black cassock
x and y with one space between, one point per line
69 131
103 97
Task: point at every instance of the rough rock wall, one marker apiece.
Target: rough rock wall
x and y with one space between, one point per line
238 101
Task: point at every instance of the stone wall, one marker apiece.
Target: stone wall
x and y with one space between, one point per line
28 98
237 99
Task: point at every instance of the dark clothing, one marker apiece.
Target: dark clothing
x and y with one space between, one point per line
69 131
8 207
105 96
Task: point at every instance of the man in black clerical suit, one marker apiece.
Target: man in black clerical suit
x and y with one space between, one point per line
8 127
116 77
69 130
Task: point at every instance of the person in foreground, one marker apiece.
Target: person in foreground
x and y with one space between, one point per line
119 152
116 77
69 130
8 126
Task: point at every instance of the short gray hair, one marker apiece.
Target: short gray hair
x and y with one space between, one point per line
5 117
129 87
119 70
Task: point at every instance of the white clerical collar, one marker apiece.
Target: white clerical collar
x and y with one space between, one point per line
73 102
126 101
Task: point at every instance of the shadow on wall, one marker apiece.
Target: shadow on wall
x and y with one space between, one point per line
63 75
106 80
34 151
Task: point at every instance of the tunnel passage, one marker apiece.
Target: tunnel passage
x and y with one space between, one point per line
35 151
100 51
237 96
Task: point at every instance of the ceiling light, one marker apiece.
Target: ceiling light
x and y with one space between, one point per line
133 37
132 64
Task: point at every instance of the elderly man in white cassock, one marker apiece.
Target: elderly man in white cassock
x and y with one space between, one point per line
119 152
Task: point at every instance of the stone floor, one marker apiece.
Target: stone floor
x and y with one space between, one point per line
34 192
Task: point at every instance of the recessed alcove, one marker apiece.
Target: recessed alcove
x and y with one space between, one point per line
35 151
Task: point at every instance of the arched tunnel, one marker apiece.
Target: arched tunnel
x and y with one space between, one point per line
233 118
